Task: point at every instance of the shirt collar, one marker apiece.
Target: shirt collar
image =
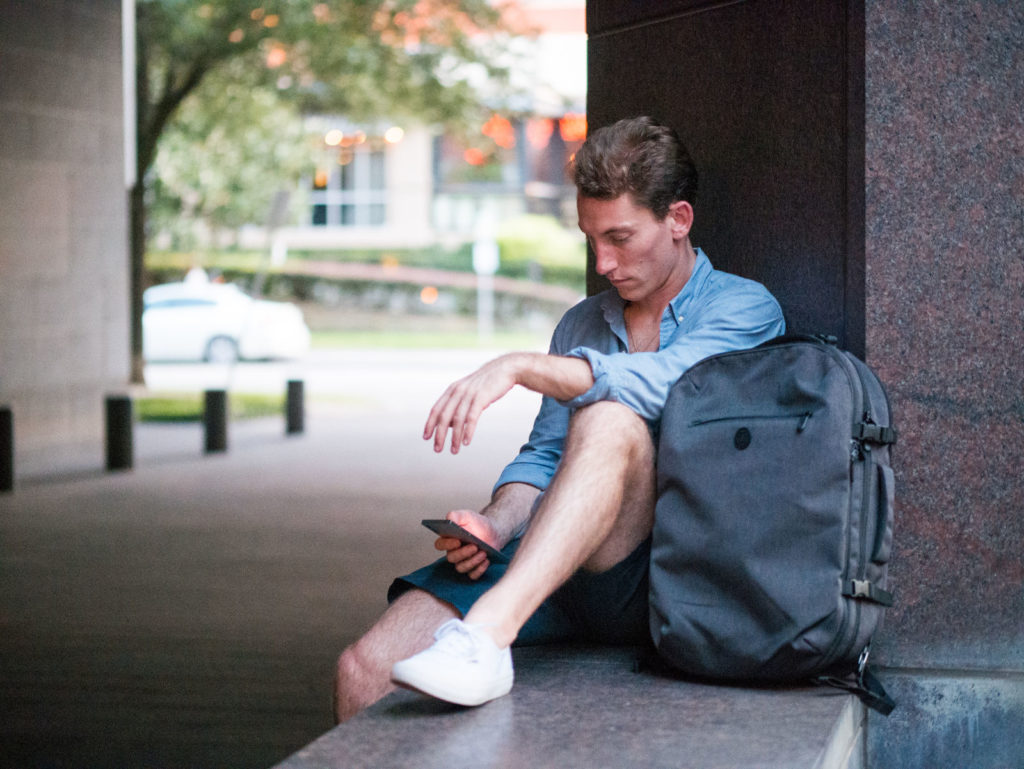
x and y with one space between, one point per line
702 270
613 306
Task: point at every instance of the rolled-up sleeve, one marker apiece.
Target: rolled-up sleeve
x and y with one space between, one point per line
729 320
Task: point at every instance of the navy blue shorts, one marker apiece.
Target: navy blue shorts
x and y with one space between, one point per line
609 608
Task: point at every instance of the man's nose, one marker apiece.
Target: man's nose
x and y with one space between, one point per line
604 261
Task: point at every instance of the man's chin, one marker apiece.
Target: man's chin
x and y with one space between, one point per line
627 291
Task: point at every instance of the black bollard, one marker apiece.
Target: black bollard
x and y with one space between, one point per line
119 433
295 416
6 449
215 419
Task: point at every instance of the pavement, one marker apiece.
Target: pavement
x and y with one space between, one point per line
188 612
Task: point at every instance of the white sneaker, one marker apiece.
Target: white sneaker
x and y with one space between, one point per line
464 666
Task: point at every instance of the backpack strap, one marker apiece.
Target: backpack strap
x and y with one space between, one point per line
864 684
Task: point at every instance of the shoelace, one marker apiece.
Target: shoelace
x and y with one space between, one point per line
456 639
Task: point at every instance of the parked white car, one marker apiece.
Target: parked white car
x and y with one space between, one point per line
218 322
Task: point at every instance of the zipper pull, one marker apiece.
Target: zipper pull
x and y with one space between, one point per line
803 422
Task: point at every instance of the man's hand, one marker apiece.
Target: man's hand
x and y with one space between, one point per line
469 559
461 405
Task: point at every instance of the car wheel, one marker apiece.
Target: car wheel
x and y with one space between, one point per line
222 349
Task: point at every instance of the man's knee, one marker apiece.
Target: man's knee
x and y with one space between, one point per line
362 672
612 425
405 628
361 678
353 665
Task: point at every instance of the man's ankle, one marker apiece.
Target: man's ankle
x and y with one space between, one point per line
501 635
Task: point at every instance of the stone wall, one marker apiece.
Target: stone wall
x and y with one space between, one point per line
63 224
945 326
945 308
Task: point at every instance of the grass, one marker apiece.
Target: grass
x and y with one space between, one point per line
188 407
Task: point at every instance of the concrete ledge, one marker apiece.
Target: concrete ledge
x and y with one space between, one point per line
585 707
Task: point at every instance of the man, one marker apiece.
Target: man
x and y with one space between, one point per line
576 506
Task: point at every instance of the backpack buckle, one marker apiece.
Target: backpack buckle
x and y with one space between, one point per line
872 433
866 590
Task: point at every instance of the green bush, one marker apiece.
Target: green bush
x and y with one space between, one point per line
542 241
188 407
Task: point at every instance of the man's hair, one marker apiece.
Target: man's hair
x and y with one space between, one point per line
639 156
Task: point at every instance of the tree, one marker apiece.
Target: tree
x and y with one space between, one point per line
231 149
362 58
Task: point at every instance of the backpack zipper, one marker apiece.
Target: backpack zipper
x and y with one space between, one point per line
861 453
803 417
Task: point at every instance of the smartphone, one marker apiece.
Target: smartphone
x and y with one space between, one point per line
446 528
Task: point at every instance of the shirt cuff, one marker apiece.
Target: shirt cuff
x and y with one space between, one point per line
530 473
603 388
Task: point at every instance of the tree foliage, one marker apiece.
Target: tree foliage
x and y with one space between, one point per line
361 58
221 161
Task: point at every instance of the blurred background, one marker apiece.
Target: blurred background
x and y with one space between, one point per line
369 197
394 169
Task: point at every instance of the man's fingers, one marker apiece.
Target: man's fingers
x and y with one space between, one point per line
458 551
454 411
463 420
439 419
459 408
447 543
467 564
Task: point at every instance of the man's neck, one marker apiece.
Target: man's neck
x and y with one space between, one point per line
653 305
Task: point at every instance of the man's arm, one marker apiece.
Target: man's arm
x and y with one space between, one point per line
733 320
459 408
503 519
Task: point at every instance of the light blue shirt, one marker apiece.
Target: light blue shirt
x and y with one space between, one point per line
715 312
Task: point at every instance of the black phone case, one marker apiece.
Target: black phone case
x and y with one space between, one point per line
445 528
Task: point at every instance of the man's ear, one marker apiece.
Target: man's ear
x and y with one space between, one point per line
680 216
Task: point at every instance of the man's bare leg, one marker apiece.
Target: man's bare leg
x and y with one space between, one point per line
364 668
598 508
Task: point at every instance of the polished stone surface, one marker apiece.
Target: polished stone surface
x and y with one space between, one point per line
586 707
945 320
950 721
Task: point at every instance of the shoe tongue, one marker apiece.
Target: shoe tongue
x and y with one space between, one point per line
458 635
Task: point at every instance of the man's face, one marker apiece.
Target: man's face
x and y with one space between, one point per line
634 250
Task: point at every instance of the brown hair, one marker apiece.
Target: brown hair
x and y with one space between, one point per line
638 156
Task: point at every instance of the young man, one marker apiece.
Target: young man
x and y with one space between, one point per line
575 508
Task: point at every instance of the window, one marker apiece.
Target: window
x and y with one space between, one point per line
353 193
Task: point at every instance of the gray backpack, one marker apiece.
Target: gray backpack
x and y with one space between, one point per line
773 524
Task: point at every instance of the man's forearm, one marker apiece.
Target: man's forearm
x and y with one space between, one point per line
509 510
557 376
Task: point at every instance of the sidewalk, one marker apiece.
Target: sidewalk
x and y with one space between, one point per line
188 612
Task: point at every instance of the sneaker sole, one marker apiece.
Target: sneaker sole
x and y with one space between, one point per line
439 691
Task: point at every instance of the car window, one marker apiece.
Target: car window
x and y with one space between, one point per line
183 302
